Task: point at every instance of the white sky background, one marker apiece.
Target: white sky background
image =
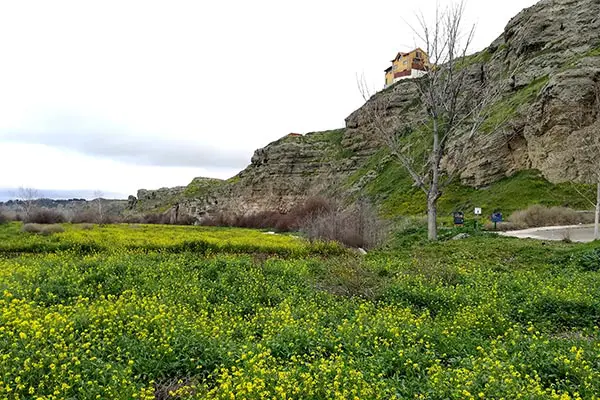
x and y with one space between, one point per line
120 95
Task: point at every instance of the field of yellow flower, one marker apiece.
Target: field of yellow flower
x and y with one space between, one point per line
153 312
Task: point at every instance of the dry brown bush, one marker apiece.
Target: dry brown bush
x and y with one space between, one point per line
42 228
358 226
185 220
82 217
281 222
133 219
155 219
317 218
3 218
313 206
161 219
538 215
45 216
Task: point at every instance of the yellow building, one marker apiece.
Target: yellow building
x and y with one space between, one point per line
413 64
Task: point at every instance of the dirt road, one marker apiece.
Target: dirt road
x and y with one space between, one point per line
577 233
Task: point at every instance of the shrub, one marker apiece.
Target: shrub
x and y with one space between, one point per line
154 218
160 219
42 229
312 207
110 219
45 216
359 226
185 220
81 217
543 216
349 276
281 222
3 218
50 229
319 219
133 219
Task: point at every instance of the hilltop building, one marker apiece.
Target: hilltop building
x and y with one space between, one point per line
409 65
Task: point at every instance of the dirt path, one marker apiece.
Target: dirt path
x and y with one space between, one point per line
577 233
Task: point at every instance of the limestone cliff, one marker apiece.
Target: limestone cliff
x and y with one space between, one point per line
281 174
547 61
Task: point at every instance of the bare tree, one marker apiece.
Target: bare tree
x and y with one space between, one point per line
27 197
450 105
98 195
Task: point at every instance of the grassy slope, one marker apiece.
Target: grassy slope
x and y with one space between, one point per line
393 190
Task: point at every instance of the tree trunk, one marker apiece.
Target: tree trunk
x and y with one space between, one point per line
432 216
597 216
434 190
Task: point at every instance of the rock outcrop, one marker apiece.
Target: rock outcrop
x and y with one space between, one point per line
548 59
547 63
282 174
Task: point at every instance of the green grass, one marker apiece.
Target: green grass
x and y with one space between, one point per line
573 61
394 191
170 239
481 57
503 110
201 186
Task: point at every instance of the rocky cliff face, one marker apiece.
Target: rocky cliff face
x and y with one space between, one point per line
556 48
282 174
547 63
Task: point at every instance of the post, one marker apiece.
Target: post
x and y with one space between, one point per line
597 213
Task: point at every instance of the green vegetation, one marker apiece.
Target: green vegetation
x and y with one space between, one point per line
503 110
161 238
333 136
234 179
393 189
481 57
573 61
333 140
485 317
200 186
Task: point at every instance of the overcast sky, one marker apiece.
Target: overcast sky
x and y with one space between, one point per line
120 95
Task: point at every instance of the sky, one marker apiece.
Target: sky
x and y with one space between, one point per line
117 95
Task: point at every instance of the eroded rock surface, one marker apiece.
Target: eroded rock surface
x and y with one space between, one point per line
547 64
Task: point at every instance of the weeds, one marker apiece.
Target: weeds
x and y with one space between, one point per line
45 216
138 312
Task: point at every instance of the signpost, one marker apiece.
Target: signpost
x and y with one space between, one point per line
459 218
477 213
496 217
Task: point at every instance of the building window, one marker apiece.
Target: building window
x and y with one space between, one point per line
418 54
